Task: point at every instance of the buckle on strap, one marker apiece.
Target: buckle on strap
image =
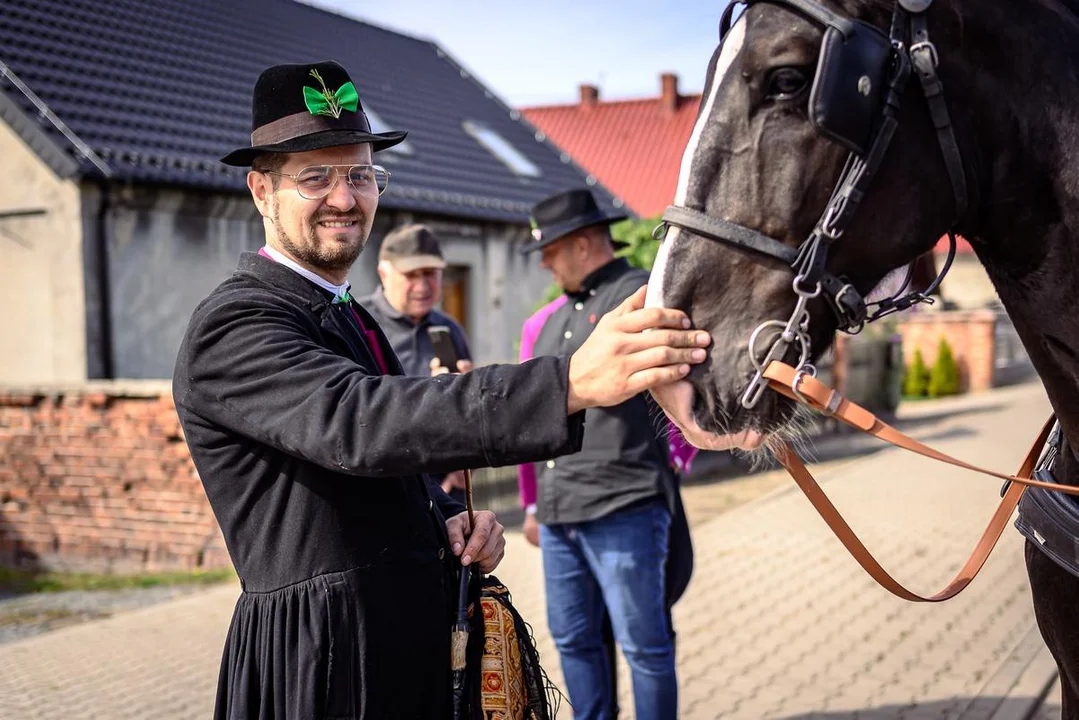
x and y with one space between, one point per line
829 408
919 60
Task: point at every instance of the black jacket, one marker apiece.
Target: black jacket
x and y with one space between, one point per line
312 463
624 460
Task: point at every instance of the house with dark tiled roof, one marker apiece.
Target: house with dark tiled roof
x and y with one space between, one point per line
633 147
116 217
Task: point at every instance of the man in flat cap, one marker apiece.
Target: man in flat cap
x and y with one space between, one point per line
313 446
410 266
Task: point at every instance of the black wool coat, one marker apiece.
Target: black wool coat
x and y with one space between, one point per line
313 463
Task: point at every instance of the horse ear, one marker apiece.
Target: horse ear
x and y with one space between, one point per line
727 20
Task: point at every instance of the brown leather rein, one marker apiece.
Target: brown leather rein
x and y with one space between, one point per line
806 389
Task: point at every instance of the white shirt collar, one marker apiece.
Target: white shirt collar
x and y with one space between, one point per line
339 291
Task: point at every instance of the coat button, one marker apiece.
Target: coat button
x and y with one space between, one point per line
591 293
550 463
568 334
441 553
579 306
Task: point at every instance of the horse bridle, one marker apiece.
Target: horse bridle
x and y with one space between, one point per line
847 41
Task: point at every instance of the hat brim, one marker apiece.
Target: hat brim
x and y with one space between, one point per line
554 233
316 141
416 262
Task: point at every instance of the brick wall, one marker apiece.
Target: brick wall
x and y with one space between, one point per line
970 333
97 478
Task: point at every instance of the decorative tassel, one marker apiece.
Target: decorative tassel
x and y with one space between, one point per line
459 641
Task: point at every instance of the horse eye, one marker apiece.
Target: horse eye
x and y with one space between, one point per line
787 83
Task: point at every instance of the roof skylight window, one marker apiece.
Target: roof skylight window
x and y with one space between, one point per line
378 125
502 149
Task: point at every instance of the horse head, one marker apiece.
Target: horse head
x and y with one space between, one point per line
796 91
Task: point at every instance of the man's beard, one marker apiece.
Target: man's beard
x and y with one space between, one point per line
317 253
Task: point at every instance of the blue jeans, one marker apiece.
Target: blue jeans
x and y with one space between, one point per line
617 563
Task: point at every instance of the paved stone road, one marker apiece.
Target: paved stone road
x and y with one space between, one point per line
778 623
1050 709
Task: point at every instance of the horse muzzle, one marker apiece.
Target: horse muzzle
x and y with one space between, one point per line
676 400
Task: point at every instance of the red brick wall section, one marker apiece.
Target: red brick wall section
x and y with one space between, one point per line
970 334
99 479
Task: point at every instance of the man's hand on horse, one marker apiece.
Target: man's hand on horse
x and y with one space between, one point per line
633 349
486 543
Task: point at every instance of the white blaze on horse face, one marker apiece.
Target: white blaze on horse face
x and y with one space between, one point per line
654 295
676 399
732 45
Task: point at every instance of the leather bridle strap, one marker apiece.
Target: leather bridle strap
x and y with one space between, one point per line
719 230
812 392
807 389
923 56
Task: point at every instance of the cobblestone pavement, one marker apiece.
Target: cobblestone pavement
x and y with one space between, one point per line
778 622
1050 709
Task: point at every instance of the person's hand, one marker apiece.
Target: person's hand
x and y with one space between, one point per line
454 481
531 529
486 542
632 350
438 368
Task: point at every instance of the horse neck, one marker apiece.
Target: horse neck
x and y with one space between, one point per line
1025 121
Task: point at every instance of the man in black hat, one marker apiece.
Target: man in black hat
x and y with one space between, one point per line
605 513
410 265
312 445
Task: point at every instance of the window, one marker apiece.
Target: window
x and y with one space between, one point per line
498 146
379 125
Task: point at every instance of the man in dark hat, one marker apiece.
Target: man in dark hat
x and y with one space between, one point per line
312 445
410 266
604 514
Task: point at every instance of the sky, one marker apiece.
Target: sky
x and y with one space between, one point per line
537 53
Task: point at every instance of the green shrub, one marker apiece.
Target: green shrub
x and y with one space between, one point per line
916 380
944 377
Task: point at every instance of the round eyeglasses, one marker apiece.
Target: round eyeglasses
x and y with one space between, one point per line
318 181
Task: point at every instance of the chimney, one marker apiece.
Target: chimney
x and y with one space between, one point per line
668 96
589 96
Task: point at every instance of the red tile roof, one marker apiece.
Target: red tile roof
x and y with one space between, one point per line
633 147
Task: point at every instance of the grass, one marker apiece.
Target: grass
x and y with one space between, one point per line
29 581
40 617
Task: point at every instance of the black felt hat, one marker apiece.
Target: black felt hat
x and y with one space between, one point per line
296 108
556 216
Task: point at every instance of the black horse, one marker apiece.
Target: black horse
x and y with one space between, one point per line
837 140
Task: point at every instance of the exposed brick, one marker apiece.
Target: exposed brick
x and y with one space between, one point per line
17 400
100 482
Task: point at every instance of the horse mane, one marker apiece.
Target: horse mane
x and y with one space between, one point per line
1071 6
879 12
